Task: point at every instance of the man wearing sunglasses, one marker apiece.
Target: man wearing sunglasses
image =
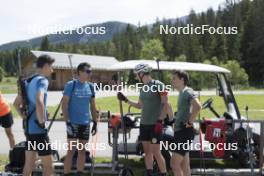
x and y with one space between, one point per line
78 105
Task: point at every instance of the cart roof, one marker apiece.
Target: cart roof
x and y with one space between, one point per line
169 65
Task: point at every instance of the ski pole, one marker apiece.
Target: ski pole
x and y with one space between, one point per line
94 141
123 125
250 154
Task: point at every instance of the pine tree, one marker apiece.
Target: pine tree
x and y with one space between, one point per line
45 45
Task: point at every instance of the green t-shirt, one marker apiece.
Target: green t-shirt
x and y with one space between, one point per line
184 107
151 102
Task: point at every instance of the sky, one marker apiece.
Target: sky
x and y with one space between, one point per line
22 19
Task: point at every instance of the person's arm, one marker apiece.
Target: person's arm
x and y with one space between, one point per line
65 107
18 103
170 112
196 107
67 94
94 110
134 103
122 97
40 107
95 115
165 106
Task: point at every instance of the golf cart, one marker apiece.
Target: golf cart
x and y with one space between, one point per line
229 127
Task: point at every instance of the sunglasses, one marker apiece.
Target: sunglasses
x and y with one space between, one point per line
88 71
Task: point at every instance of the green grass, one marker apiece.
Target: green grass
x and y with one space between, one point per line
3 162
255 102
8 85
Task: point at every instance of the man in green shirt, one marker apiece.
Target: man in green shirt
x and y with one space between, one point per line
153 102
188 109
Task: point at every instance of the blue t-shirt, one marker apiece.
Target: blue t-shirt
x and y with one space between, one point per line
37 84
79 104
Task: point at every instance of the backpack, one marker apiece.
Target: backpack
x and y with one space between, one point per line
23 84
16 158
73 88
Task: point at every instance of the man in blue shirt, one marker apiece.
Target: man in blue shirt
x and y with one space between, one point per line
35 131
77 106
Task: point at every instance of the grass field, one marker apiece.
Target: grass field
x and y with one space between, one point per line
255 103
3 162
8 85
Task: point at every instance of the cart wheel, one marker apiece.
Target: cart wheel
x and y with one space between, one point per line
126 172
243 156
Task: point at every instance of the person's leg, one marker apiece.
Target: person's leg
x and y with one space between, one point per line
148 156
10 136
29 162
155 148
186 165
69 155
81 157
175 163
83 136
7 122
47 165
45 154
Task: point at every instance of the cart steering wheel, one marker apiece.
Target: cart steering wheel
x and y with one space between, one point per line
207 103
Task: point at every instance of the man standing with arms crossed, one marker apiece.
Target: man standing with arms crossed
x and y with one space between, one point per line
188 109
35 131
77 106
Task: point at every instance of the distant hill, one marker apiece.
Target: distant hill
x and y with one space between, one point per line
111 28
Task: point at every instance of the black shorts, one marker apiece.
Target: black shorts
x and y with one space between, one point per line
183 136
6 121
39 143
76 131
146 133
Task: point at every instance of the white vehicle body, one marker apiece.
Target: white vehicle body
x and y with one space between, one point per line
220 72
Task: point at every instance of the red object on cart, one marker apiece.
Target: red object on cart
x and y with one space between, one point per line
216 133
115 119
